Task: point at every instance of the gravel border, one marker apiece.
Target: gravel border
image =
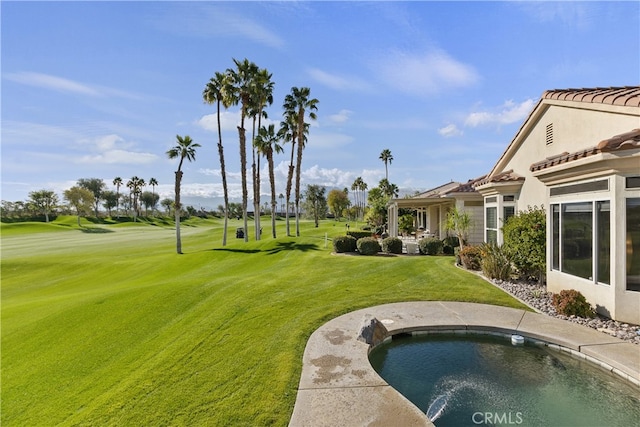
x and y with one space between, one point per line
536 296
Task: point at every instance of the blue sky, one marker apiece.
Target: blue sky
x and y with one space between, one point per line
101 89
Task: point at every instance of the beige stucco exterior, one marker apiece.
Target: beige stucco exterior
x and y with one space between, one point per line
571 137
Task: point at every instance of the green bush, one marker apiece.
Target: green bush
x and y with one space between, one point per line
368 246
572 303
449 245
495 264
430 246
471 257
525 239
342 244
392 245
359 234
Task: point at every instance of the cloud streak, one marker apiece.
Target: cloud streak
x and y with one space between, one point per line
507 113
424 73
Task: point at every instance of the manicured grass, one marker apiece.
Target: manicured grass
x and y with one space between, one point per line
116 329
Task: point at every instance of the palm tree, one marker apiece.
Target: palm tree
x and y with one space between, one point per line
117 181
185 148
214 91
135 185
261 97
386 157
300 102
267 143
287 133
240 90
281 196
153 182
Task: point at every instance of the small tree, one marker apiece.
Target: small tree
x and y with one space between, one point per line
315 202
45 200
110 200
81 199
150 200
338 201
96 186
459 222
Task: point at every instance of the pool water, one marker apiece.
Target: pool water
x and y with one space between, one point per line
471 379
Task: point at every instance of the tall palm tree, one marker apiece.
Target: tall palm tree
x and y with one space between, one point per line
214 91
117 181
153 182
262 96
386 157
184 149
240 90
299 101
135 185
288 133
281 196
267 143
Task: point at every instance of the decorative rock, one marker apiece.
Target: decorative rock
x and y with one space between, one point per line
373 332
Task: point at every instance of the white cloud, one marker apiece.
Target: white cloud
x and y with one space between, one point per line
52 82
216 20
341 117
578 15
507 113
229 121
61 84
450 130
426 73
112 149
337 82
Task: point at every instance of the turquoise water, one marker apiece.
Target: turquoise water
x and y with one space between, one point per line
485 380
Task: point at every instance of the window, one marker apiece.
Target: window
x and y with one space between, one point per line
491 222
633 244
508 212
580 234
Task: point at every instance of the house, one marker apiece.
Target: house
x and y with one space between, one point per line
577 155
431 208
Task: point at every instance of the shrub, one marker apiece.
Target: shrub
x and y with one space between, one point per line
392 245
359 234
449 245
471 257
368 246
525 241
495 264
343 244
430 246
572 303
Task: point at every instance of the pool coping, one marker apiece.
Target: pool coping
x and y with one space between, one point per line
338 385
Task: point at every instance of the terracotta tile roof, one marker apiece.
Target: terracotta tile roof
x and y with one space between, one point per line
506 176
625 95
625 141
469 186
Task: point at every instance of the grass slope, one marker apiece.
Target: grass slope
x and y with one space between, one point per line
116 329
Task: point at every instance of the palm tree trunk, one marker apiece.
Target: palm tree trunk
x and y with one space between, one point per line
224 180
243 172
272 181
289 182
298 165
177 213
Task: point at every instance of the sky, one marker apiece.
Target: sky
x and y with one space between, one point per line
102 89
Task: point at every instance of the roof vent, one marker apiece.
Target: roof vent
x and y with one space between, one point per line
549 133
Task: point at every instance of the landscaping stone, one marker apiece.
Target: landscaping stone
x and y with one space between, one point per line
536 296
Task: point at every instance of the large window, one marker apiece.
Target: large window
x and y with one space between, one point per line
633 244
580 234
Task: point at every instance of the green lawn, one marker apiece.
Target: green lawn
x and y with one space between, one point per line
111 327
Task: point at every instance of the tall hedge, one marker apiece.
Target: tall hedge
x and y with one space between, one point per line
525 241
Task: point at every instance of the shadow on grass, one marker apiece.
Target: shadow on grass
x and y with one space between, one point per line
95 230
292 246
280 247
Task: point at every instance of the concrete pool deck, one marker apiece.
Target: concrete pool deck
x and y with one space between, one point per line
339 387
